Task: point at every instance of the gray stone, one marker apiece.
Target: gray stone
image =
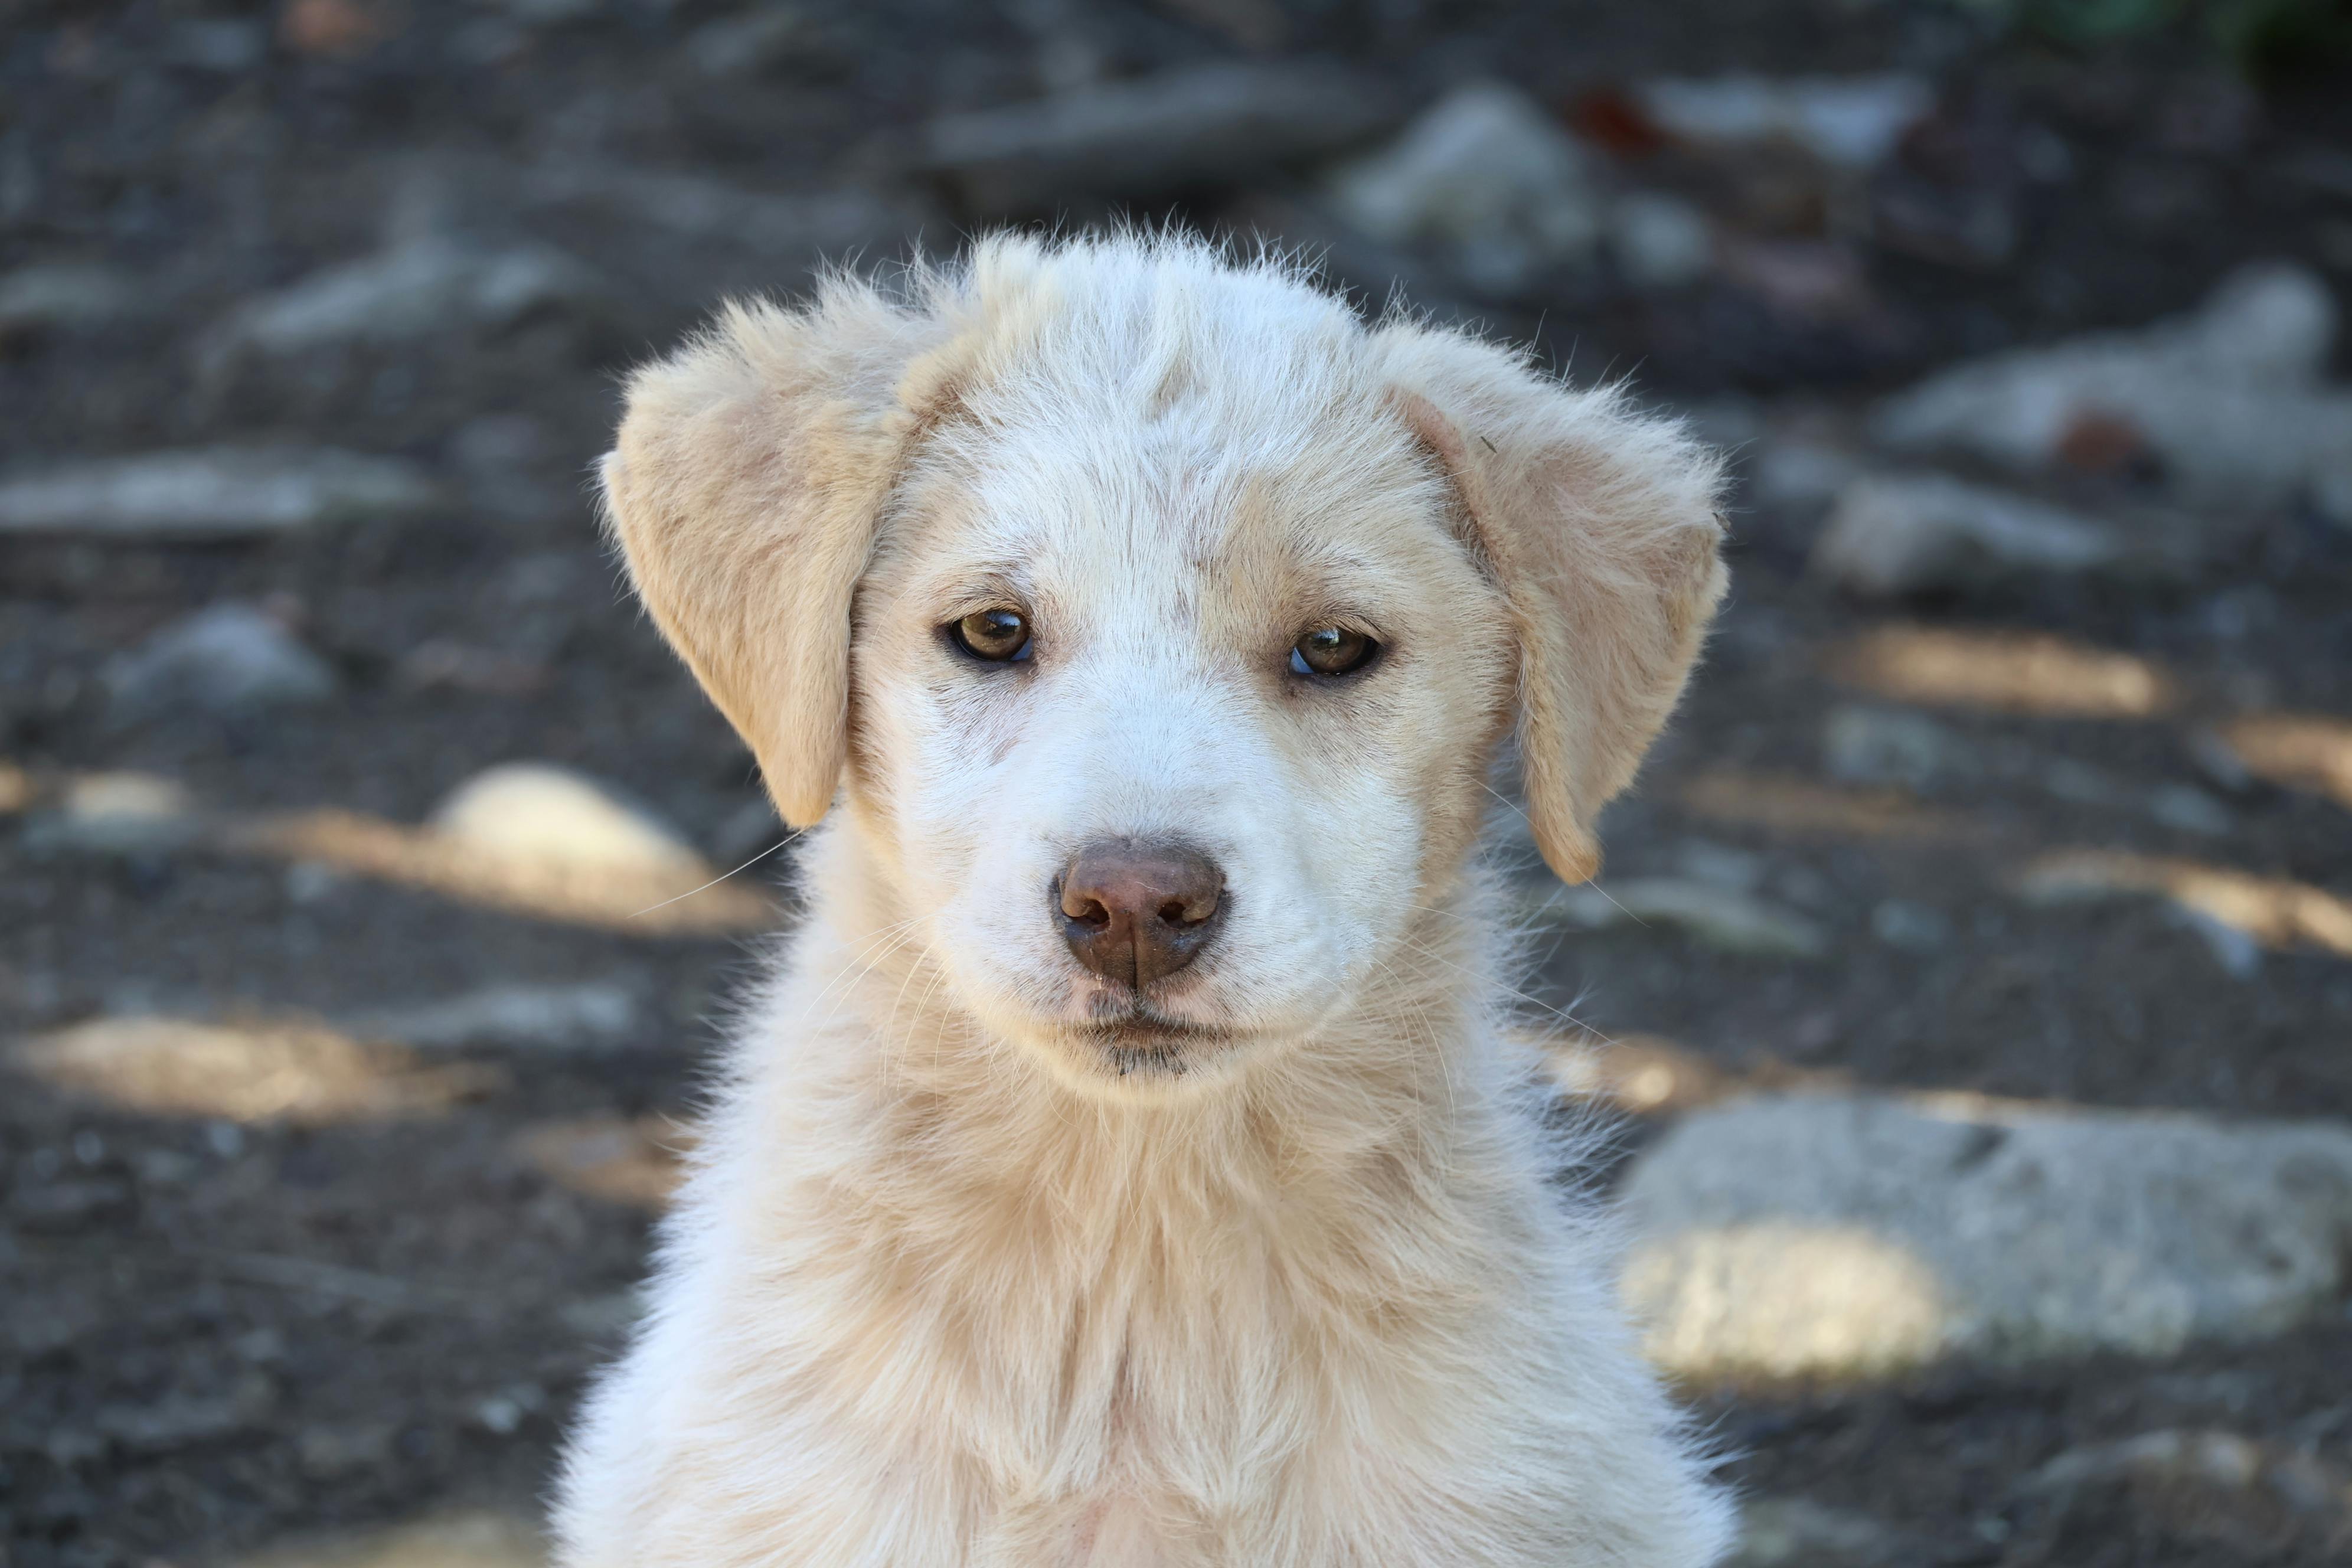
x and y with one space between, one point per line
2190 810
487 42
1866 745
556 1018
1912 927
1720 864
429 286
328 1452
536 812
1488 179
1851 123
502 1413
1793 1533
2231 399
793 230
551 14
169 1424
2079 784
748 43
1892 535
2219 763
1708 914
1826 1235
64 1209
1801 478
312 881
66 297
227 659
496 442
1226 122
1660 241
2237 950
116 814
212 493
224 45
503 458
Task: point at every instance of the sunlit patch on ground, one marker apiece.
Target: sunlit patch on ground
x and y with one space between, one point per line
2003 671
2299 751
1647 1075
1779 1301
639 900
539 858
280 1071
2274 911
623 1160
1801 808
104 813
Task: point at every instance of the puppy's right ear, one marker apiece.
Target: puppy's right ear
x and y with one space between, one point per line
745 490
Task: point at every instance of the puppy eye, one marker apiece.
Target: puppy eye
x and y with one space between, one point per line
1331 650
999 635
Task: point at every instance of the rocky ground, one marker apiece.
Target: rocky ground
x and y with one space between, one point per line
1973 975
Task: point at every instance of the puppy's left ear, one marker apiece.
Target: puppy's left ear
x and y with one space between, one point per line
1600 528
745 490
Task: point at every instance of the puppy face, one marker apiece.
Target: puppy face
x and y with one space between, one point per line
1162 618
1172 727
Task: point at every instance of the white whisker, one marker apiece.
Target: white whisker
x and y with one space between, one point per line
714 881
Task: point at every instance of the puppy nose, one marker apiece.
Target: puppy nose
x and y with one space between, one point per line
1133 912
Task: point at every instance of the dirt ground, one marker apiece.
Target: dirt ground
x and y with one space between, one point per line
214 1336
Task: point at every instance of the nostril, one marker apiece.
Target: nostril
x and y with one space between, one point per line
1080 907
1179 912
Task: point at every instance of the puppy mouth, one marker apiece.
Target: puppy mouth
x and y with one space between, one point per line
1146 1041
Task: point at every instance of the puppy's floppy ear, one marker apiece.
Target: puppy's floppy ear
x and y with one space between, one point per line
745 488
1600 528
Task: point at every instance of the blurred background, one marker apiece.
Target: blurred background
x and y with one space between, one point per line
1974 968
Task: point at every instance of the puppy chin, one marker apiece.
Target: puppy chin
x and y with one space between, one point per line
1195 1035
1121 1047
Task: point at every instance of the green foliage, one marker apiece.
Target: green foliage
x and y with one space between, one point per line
2098 21
2274 39
2265 38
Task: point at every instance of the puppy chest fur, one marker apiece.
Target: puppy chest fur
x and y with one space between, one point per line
1124 1165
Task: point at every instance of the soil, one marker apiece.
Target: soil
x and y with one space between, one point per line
213 1336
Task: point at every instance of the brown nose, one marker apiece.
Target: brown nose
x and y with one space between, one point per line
1133 912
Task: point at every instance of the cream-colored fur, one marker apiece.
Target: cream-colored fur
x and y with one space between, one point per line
954 1282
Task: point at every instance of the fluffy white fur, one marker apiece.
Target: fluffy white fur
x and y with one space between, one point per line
958 1278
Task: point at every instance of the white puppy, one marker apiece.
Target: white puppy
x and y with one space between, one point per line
1126 1165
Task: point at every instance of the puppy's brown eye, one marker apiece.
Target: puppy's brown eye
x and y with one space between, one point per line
1331 650
1000 635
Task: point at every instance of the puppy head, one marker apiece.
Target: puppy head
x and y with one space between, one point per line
1160 619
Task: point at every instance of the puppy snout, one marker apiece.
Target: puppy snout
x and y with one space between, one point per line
1133 912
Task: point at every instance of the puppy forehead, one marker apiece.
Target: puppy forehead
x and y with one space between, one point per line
1177 502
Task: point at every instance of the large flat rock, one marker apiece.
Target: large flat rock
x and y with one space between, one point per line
1828 1235
1150 134
2232 400
212 493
